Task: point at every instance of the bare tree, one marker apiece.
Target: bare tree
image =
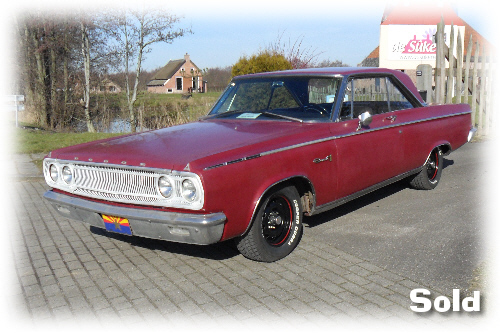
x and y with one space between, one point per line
48 59
329 63
137 31
217 78
295 52
84 29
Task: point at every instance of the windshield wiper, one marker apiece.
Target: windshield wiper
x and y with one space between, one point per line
281 116
266 113
217 115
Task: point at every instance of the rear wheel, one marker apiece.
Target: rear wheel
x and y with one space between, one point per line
276 229
428 177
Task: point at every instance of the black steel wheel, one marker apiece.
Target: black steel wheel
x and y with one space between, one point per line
276 229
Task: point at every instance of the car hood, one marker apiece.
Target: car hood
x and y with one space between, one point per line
176 147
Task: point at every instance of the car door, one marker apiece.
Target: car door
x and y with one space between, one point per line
366 155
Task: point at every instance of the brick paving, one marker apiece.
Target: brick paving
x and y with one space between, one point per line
67 272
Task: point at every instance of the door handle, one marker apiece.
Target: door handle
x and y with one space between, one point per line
391 118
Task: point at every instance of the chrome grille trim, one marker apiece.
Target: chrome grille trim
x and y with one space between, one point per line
115 181
124 184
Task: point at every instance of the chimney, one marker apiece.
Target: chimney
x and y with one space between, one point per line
186 57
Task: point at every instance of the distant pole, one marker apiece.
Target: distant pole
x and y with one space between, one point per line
17 110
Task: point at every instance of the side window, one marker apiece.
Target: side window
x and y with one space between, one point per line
397 101
376 95
365 95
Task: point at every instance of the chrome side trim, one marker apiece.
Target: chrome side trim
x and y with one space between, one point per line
341 201
278 150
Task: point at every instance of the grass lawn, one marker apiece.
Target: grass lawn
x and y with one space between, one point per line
31 141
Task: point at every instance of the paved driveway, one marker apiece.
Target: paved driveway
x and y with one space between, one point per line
357 263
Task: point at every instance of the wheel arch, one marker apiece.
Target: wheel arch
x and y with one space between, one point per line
302 184
445 148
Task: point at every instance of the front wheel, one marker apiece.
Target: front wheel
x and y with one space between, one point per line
276 229
428 177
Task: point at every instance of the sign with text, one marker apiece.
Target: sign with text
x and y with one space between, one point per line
413 42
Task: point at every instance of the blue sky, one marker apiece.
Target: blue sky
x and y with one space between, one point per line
226 30
347 31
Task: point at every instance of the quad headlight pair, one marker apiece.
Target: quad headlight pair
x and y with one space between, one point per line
66 174
188 189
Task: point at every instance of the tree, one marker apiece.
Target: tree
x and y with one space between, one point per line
217 78
95 55
84 29
329 63
265 61
298 55
50 59
137 31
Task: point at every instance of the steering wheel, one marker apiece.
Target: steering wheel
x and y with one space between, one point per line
317 108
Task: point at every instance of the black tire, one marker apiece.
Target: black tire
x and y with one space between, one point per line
276 229
428 177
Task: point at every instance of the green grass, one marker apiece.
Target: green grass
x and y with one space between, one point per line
30 141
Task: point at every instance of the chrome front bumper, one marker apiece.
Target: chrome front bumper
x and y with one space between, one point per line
176 227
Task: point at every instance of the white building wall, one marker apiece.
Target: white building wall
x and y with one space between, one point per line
404 47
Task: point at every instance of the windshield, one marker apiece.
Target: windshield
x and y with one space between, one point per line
286 98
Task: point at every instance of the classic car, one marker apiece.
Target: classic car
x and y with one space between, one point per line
274 147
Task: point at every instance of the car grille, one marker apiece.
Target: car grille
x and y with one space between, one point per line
116 184
122 183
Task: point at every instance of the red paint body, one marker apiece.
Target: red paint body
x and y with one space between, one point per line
360 158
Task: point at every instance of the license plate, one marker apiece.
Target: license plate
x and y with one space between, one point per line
117 224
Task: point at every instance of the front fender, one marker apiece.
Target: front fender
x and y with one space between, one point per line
237 189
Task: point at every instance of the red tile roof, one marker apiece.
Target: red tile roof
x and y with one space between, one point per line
420 13
431 15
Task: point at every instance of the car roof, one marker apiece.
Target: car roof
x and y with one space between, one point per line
326 71
342 71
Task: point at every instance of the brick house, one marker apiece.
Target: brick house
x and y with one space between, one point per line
180 76
107 86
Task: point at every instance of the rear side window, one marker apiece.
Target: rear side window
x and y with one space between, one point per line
375 95
397 101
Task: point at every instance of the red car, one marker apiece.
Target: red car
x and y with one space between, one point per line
274 147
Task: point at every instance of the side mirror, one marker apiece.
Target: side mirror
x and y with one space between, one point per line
365 119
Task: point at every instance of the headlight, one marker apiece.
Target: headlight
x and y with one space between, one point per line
188 190
165 187
67 174
54 173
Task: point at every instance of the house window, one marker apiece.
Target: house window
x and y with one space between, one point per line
169 90
195 81
178 83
